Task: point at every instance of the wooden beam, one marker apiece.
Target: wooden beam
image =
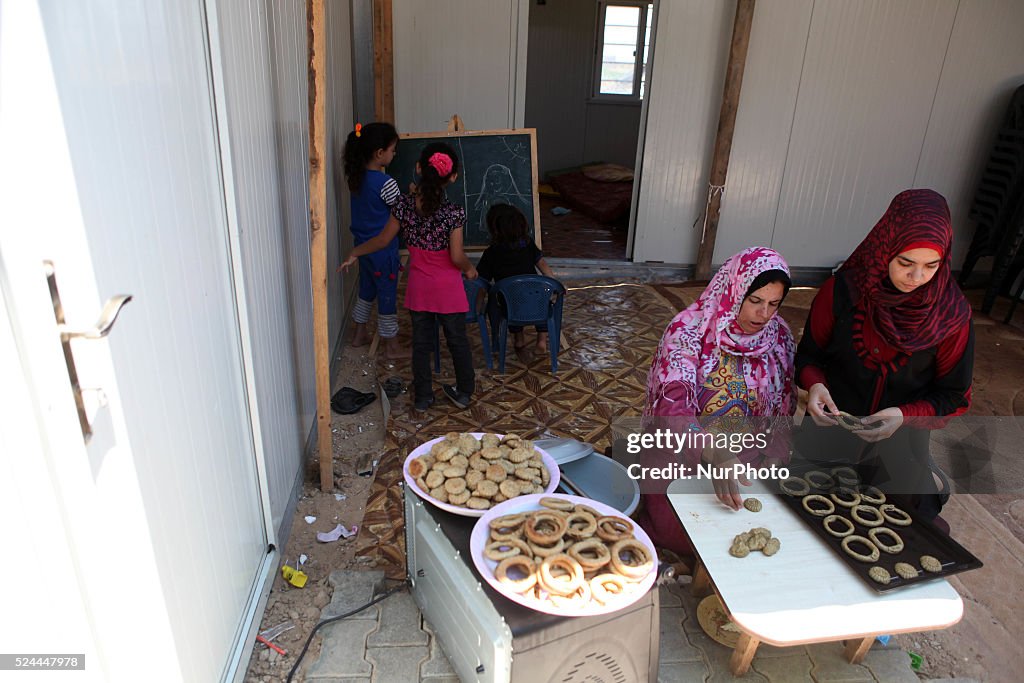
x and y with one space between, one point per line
383 62
723 140
317 52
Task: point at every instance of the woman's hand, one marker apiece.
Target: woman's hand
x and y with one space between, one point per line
727 489
471 273
347 263
820 404
884 423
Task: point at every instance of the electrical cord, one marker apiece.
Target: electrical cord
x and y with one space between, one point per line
379 598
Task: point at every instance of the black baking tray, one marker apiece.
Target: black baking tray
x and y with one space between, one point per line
922 537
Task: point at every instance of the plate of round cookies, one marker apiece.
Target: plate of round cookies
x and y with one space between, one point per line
468 473
563 554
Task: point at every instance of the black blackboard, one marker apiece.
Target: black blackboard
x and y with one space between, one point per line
495 167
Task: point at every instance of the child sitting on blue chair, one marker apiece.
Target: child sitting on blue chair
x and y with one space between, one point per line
512 252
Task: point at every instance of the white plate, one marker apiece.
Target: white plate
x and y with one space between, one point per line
548 461
482 532
565 450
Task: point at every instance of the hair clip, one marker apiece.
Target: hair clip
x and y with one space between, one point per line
359 129
441 162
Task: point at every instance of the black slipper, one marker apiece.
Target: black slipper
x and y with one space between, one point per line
347 400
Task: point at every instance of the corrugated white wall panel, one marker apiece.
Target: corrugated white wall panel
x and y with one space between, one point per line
867 90
691 51
983 66
558 82
138 116
262 48
764 122
455 57
287 41
844 104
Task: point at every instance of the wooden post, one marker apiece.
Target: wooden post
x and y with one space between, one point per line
743 654
701 583
318 233
856 649
723 140
383 62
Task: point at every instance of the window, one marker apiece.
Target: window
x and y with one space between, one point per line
623 41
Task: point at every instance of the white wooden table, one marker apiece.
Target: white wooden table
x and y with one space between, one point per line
804 593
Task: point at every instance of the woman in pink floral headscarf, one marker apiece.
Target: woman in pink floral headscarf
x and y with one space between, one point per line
728 355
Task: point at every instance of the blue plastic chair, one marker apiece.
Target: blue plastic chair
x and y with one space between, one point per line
477 313
529 300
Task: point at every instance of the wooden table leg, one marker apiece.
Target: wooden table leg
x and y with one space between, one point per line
743 654
857 649
701 584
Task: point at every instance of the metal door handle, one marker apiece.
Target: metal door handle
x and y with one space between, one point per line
108 316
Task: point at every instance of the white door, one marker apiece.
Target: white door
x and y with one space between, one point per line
109 168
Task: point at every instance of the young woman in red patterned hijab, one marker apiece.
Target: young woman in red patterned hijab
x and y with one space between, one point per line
890 337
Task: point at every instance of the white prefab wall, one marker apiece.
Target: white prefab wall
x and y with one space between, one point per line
465 57
262 67
843 105
264 57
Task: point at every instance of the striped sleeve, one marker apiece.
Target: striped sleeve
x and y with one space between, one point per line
390 192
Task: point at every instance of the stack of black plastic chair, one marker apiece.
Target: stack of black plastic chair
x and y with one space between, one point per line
997 199
1010 270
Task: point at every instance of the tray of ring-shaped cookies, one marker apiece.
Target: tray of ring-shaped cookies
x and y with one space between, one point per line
887 546
563 555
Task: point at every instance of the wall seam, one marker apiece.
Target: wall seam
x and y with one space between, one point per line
792 124
935 95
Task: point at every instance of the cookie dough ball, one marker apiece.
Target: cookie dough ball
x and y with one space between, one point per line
752 504
880 575
907 571
739 549
771 546
931 564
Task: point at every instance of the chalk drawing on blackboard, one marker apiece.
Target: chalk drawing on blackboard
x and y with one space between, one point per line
496 166
499 187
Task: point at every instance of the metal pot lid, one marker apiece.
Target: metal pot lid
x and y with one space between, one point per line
564 450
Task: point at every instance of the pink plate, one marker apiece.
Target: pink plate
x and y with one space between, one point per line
548 461
481 534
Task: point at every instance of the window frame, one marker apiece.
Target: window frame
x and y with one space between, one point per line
638 54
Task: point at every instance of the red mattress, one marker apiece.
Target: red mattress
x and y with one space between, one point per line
604 202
